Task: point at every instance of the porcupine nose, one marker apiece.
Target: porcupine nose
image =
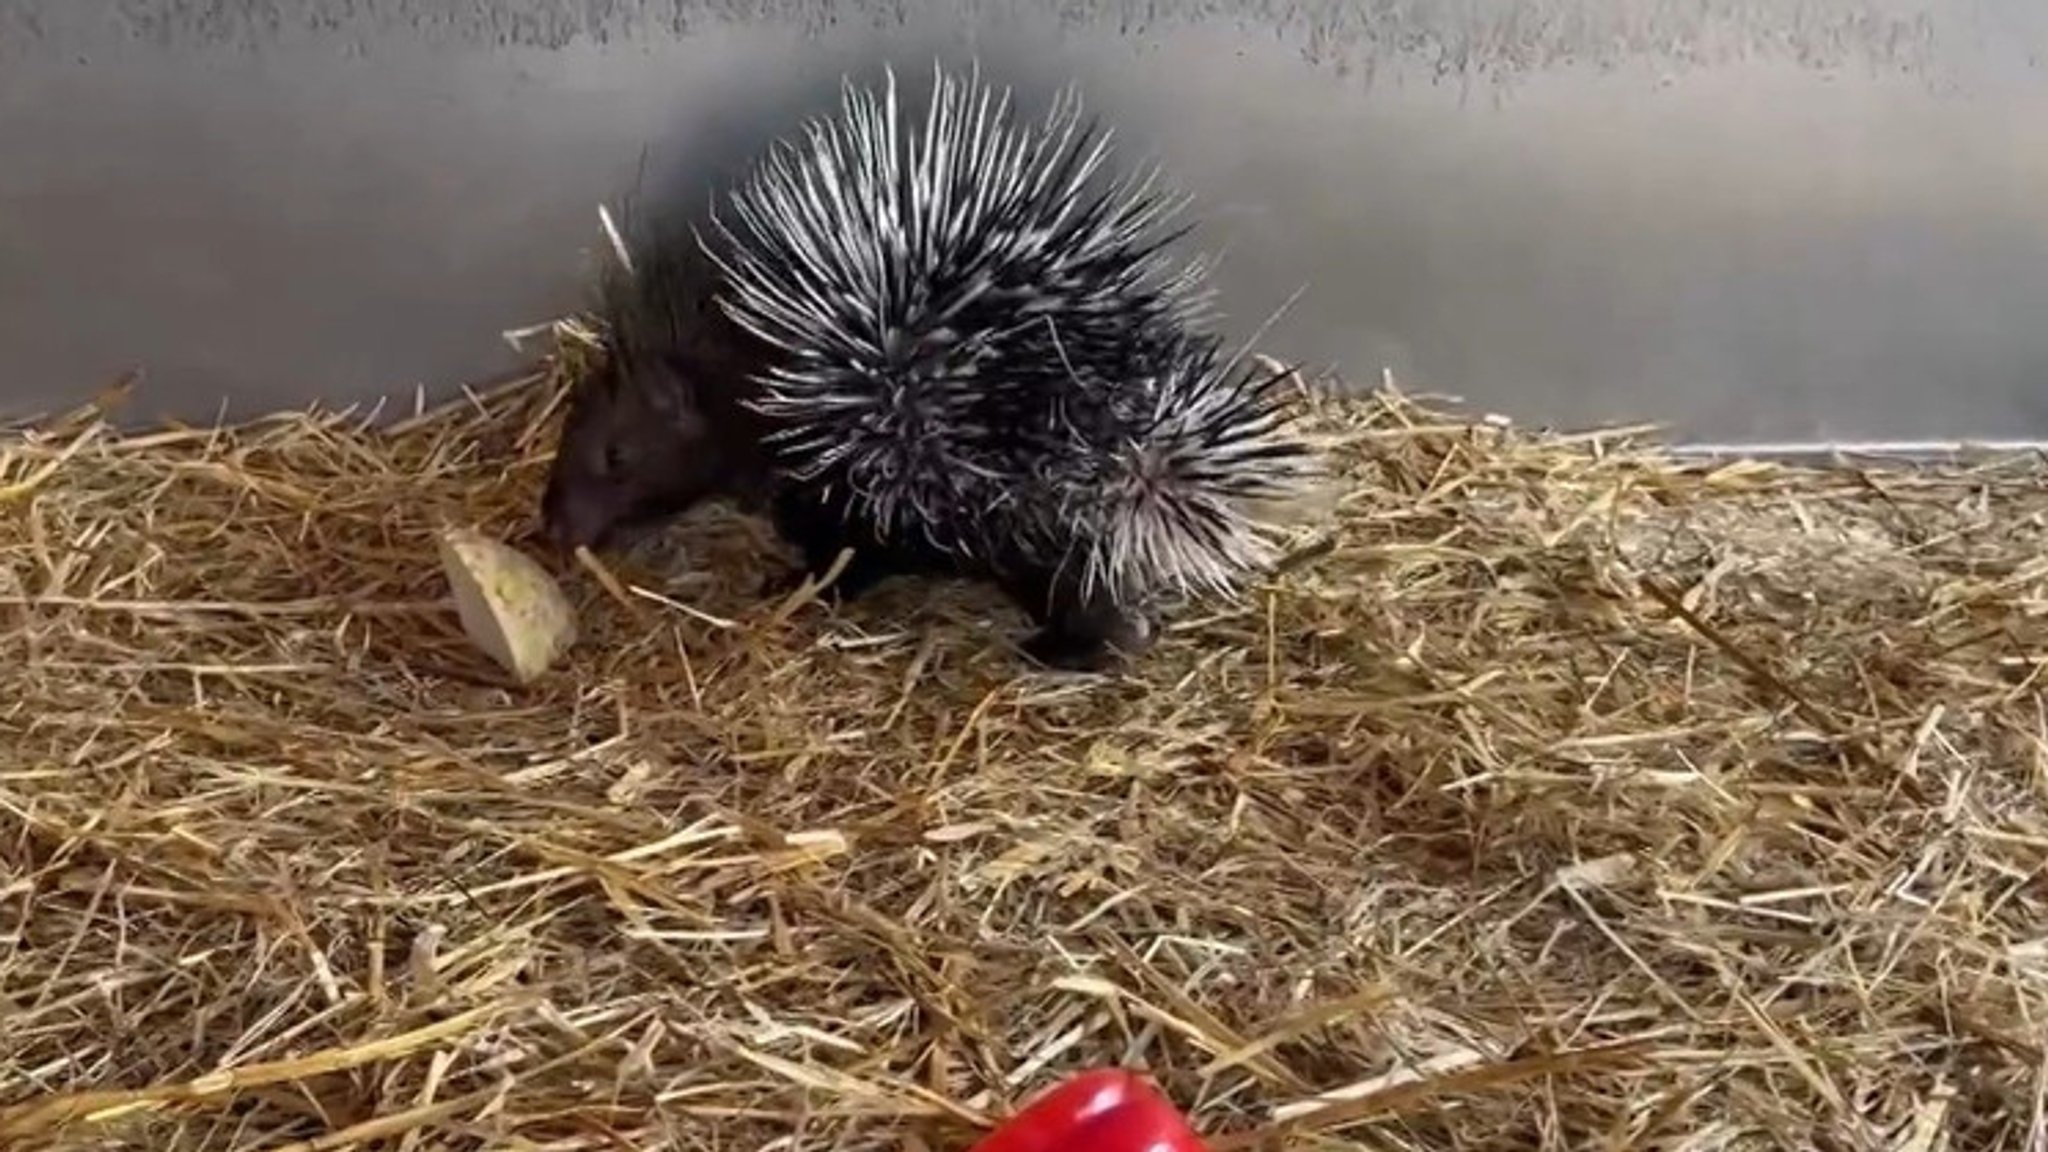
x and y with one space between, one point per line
563 524
552 534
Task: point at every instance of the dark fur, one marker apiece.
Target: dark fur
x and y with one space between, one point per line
663 425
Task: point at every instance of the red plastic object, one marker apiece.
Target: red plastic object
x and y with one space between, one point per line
1110 1110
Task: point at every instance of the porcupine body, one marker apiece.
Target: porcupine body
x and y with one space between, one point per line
967 359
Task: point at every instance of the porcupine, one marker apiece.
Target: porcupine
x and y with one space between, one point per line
942 351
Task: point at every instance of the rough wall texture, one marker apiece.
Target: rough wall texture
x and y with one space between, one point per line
1752 218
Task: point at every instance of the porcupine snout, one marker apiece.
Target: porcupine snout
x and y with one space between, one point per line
575 513
611 486
582 505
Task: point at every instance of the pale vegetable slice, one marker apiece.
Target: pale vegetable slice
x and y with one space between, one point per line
511 608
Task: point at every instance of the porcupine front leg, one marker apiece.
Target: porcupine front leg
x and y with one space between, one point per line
1077 631
819 535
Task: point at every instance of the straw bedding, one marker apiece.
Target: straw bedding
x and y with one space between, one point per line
1561 797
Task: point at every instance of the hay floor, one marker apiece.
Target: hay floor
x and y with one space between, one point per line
1570 799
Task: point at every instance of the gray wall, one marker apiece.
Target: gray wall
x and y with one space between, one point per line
1751 218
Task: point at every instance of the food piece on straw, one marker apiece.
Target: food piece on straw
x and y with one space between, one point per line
510 606
1102 1110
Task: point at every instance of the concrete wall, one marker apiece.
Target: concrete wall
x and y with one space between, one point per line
1751 218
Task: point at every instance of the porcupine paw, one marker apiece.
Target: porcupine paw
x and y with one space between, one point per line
1096 646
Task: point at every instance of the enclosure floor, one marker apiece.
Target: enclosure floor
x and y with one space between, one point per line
1566 798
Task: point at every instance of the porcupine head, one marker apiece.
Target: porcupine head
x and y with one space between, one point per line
659 425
